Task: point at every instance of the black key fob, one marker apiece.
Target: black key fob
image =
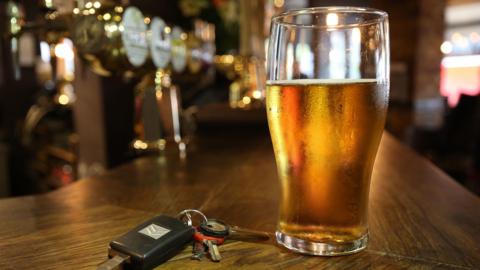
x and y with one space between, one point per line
152 242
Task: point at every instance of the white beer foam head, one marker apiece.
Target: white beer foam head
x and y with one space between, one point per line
320 81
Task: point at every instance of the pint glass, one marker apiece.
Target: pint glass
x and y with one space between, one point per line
327 97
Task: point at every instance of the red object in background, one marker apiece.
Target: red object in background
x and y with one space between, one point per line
460 75
61 175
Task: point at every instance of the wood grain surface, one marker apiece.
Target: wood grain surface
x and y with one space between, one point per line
419 217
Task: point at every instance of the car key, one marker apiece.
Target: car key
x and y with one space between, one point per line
214 227
198 250
149 244
247 235
213 250
218 228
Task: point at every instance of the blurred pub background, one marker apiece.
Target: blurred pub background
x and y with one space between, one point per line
83 89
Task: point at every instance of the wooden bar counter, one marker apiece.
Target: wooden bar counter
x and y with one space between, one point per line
419 217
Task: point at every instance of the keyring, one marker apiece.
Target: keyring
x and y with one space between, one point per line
188 220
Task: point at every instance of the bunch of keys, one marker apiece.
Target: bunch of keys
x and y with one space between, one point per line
208 236
160 238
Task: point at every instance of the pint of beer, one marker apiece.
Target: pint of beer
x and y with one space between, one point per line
326 131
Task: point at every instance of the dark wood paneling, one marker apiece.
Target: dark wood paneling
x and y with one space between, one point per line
118 114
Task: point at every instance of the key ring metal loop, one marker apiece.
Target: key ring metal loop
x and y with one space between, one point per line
188 220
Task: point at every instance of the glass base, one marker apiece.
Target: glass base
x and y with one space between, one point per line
319 248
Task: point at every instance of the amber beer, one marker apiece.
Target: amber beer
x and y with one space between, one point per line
325 136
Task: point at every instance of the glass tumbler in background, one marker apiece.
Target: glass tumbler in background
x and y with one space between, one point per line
327 98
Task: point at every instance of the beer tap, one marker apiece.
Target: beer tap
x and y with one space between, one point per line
174 53
121 40
163 123
112 39
149 121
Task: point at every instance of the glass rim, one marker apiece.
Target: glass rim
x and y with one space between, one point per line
380 16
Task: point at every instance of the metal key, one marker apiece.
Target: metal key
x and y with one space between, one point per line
198 251
215 227
210 244
213 250
247 235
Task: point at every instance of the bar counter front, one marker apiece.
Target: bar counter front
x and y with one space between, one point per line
419 217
